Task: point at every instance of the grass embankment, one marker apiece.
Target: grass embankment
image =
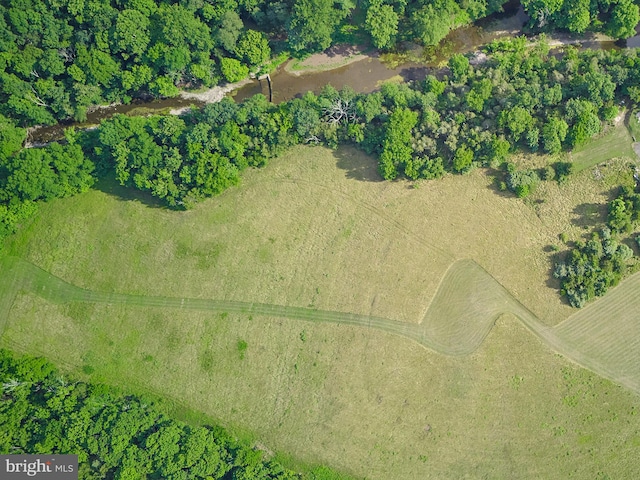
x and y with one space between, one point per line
317 229
614 143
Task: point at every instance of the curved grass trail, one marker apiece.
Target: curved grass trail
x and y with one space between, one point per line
604 337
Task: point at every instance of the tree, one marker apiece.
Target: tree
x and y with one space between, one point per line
233 70
11 215
313 22
396 149
620 216
596 86
46 173
462 159
562 171
460 68
178 27
498 152
516 120
381 23
479 94
370 106
131 33
11 138
433 21
253 47
625 15
164 87
230 29
583 117
541 11
586 126
575 15
522 182
554 131
98 66
233 143
136 78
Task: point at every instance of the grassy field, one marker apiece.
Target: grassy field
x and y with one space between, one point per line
318 229
614 143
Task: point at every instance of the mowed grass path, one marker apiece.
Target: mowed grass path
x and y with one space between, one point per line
605 337
315 236
614 143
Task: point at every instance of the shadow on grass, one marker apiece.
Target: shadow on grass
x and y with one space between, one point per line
496 185
110 186
589 214
558 256
356 165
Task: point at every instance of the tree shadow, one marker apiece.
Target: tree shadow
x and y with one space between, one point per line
343 50
497 178
110 186
557 256
632 243
589 214
413 74
357 165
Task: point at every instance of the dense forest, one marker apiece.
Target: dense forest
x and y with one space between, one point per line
119 435
60 57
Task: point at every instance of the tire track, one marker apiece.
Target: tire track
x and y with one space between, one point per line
604 337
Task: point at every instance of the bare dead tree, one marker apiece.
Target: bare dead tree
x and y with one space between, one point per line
340 111
68 54
33 97
12 384
542 17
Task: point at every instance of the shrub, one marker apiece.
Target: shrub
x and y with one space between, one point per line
522 182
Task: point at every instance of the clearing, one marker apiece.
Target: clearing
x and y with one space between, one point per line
318 229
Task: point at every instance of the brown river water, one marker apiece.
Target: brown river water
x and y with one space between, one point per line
363 76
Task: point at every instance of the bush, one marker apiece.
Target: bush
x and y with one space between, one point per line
522 182
562 171
548 173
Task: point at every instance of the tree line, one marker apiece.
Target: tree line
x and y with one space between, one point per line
117 434
519 99
616 18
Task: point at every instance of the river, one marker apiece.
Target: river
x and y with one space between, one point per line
363 76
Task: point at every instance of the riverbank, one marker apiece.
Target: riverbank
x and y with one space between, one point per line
335 57
215 94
